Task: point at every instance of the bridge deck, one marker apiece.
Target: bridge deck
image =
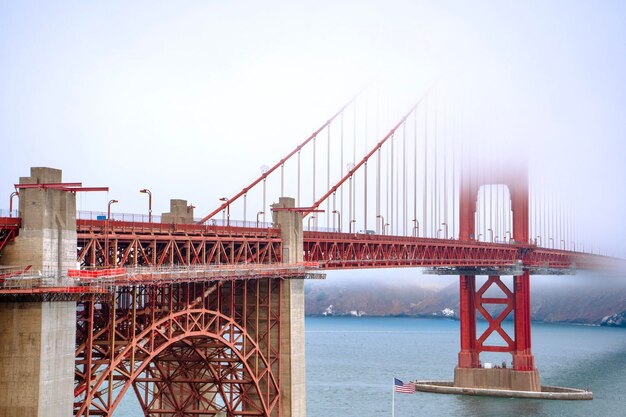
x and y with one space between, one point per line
130 244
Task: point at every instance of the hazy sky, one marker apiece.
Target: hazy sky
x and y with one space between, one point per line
191 98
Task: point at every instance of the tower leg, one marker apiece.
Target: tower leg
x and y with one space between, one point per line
468 356
523 359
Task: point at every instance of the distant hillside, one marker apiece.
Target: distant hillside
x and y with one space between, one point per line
563 299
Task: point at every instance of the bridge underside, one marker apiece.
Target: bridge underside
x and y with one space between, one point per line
197 348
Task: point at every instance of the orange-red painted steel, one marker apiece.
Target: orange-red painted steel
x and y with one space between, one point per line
182 349
9 229
103 243
157 244
516 301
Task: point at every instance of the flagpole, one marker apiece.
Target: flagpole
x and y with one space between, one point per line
393 397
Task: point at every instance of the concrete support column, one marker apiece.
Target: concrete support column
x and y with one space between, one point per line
37 351
47 239
37 337
292 370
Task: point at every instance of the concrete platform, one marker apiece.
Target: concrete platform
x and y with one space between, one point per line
547 392
497 378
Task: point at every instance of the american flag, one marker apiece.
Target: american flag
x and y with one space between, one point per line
399 386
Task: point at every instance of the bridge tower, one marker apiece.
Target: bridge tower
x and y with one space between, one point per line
469 373
38 331
292 373
200 346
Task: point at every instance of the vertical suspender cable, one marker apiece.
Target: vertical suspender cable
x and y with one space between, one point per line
455 128
397 201
365 196
444 134
391 172
341 167
415 171
353 186
435 223
378 173
314 149
264 194
425 202
350 198
298 192
328 213
404 207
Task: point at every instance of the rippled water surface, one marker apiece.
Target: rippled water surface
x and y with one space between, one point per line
351 362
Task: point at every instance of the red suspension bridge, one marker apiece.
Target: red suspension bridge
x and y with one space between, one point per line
205 316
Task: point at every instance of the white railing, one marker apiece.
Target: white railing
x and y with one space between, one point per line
7 213
144 218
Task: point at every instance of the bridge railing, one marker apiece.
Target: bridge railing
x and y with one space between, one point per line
144 218
9 213
126 217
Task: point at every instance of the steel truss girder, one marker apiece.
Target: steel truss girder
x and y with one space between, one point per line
102 243
9 229
350 251
181 348
516 301
106 248
343 251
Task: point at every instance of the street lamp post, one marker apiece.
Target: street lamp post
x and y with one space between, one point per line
13 194
507 235
563 244
257 217
225 199
446 226
350 226
416 228
385 228
382 222
106 236
146 191
539 239
309 222
338 218
109 208
552 244
490 230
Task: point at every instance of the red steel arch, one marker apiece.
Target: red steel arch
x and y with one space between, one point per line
194 348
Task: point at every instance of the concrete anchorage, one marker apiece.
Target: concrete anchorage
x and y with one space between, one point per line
37 337
292 370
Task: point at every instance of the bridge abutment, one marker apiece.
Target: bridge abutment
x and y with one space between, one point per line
292 369
37 336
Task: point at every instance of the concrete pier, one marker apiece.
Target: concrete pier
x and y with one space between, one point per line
497 378
37 351
37 335
292 371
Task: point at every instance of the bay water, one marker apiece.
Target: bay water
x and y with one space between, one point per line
351 363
